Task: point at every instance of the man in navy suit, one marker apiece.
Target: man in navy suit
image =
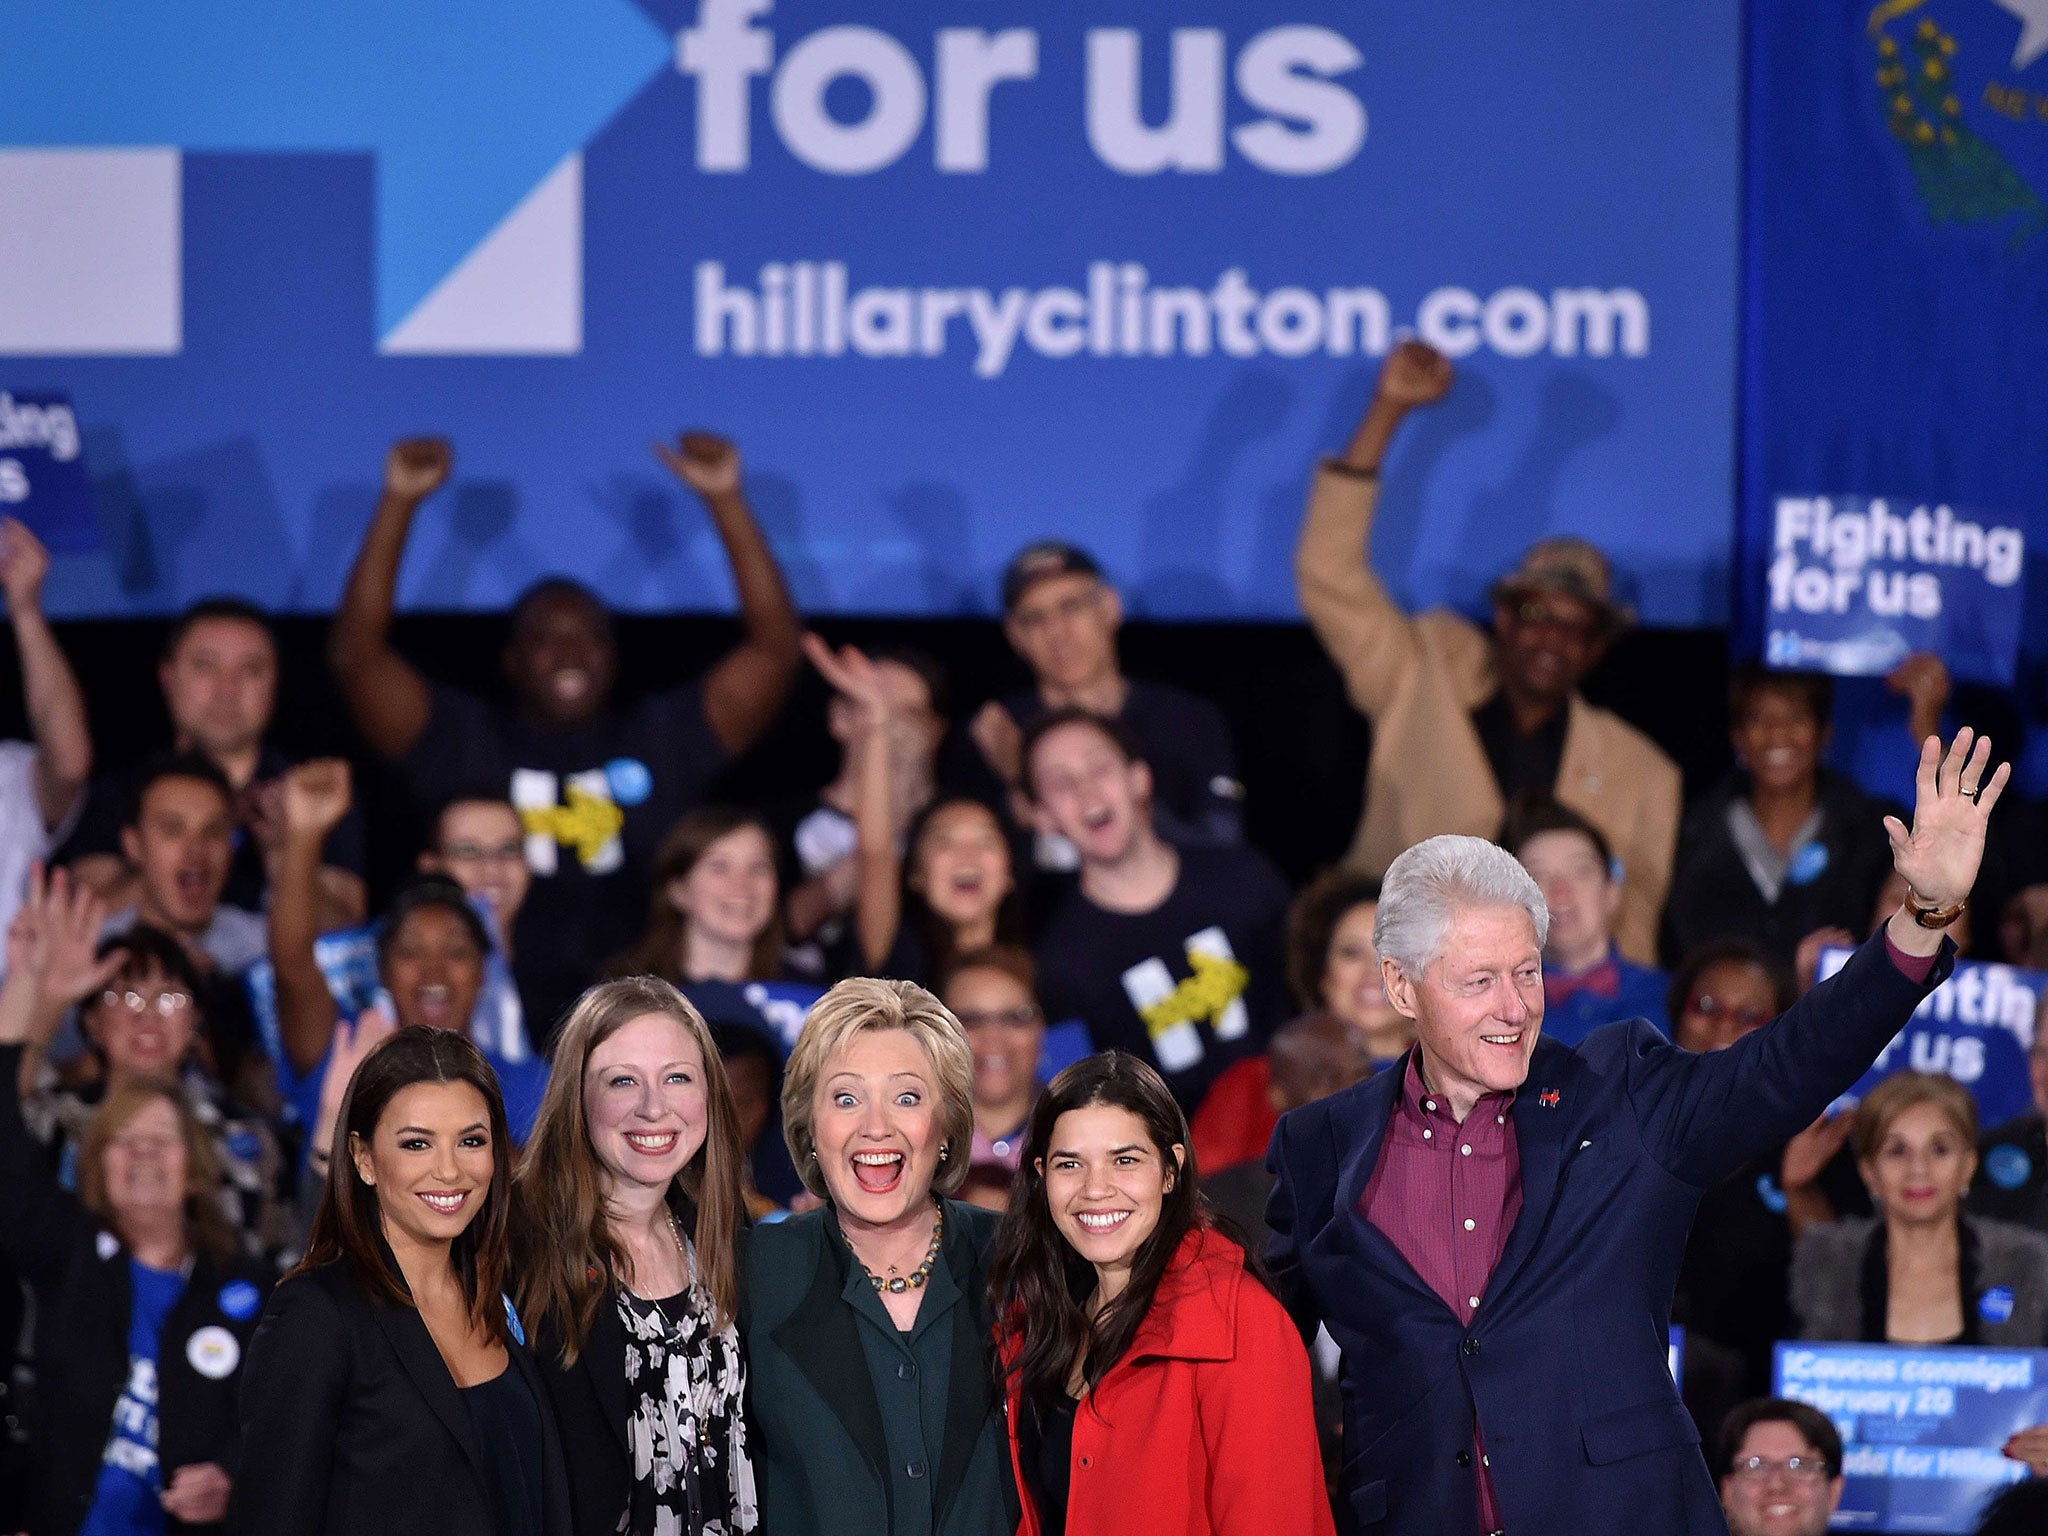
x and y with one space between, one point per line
1491 1230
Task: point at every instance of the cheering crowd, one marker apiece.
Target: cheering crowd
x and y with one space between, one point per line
993 1142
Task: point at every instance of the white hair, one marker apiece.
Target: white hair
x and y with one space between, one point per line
1428 883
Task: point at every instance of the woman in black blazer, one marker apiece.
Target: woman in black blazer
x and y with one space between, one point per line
386 1389
628 1224
143 1308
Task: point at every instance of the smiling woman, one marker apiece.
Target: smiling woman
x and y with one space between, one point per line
868 1323
1155 1385
387 1386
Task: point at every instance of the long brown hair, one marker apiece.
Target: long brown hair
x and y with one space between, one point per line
1039 1284
207 1226
567 1255
348 1228
659 946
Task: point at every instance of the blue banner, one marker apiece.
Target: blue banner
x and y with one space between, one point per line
43 479
955 278
1895 432
1977 1027
1920 1428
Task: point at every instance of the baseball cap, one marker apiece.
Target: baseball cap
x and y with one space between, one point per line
1571 567
1035 562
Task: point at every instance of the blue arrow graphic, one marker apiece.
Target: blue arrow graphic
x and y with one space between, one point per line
466 104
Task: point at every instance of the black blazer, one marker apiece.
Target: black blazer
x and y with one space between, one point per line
591 1405
79 1270
352 1426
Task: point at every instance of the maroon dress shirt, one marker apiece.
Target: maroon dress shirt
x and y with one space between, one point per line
1446 1195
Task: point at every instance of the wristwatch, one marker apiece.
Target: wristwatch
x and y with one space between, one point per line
1933 917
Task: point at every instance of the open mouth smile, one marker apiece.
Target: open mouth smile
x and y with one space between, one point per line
878 1172
445 1202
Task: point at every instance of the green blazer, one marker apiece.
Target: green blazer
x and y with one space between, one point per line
821 1449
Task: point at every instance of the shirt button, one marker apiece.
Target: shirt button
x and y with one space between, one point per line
1470 1223
1429 1104
1500 1119
1466 1149
1001 1148
1425 1133
1486 1461
1087 1461
905 1371
915 1469
1472 1301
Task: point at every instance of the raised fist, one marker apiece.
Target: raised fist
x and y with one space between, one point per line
417 467
707 463
1415 373
23 565
316 796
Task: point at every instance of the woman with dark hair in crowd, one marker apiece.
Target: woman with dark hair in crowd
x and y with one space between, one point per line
753 1073
387 1388
1783 845
143 1302
993 992
626 1243
1921 1271
874 1400
714 923
432 950
1155 1386
140 1006
1333 972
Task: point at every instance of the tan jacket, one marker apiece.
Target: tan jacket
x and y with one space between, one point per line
1419 679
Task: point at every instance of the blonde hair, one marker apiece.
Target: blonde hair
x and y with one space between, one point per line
566 1254
206 1223
854 1007
1895 1095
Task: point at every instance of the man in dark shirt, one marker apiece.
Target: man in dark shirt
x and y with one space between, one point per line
1062 618
218 674
596 787
1172 954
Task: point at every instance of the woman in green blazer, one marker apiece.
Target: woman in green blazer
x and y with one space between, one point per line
872 1377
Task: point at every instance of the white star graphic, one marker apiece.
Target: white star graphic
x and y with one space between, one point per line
2033 15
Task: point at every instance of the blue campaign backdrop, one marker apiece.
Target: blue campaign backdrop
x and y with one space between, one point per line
1896 332
955 277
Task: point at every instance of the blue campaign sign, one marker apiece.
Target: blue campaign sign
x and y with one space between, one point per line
43 479
1856 585
1895 437
1977 1027
1920 1428
955 277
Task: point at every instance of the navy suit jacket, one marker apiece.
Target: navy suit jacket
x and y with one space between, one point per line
1565 1363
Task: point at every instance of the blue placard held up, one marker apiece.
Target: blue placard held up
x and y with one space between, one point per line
1976 1027
1856 583
42 470
1921 1428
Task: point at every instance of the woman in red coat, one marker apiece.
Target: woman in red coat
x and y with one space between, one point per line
1155 1386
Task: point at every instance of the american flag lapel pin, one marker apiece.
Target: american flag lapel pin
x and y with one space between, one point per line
1548 1098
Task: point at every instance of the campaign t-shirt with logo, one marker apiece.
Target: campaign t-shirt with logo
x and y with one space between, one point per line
595 801
125 1499
1190 986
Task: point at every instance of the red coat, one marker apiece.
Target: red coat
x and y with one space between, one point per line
1205 1427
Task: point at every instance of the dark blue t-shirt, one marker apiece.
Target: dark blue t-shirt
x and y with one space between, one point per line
125 1499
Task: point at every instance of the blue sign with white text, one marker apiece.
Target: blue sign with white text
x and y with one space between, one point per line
1921 1428
1895 434
1977 1027
43 478
955 276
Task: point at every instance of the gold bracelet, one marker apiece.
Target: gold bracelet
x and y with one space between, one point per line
1929 916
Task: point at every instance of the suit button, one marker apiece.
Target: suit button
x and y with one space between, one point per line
1464 1458
1470 1346
915 1469
905 1370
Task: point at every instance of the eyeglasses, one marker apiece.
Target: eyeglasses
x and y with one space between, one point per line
167 1005
1748 1015
1542 616
480 853
1008 1018
1801 1469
